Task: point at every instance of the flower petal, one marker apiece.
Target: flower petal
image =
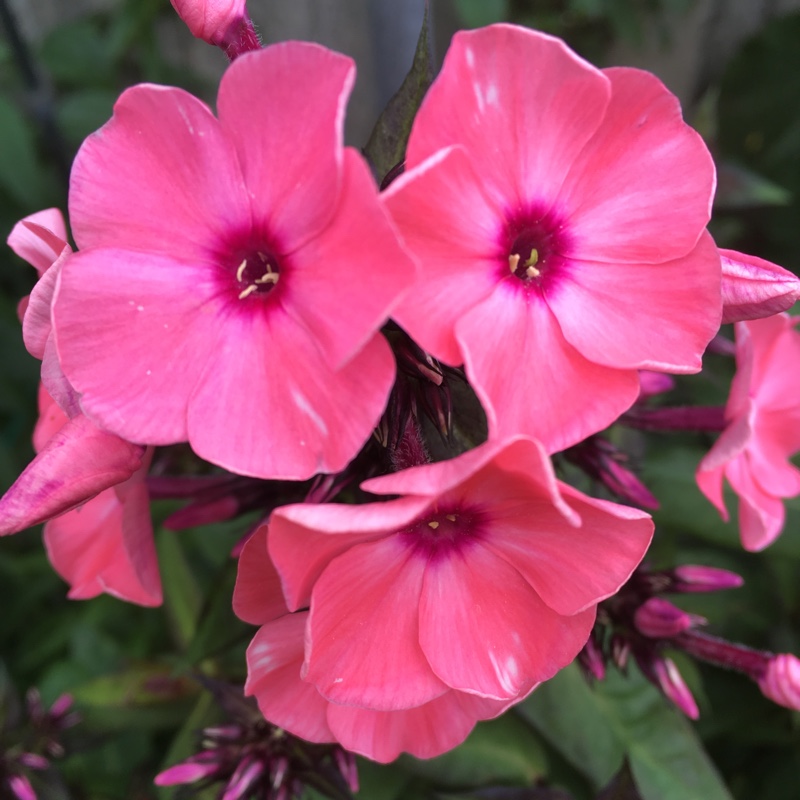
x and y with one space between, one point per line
761 515
370 594
526 374
133 332
451 228
526 94
641 189
268 376
77 463
425 731
290 147
258 596
572 568
643 316
486 631
39 238
160 176
355 264
274 658
304 538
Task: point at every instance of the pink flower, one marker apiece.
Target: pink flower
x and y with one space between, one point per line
763 413
436 609
753 288
88 487
558 212
233 272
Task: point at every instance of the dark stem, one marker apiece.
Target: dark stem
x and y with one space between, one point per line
677 418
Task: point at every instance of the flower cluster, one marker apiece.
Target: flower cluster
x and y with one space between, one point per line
240 285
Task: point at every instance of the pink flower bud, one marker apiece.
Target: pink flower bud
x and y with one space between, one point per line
672 684
753 288
21 787
693 578
653 383
224 23
659 619
33 761
245 775
781 681
193 769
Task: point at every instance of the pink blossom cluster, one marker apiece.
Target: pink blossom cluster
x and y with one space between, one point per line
232 283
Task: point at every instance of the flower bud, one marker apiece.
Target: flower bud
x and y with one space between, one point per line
224 23
781 681
693 578
753 288
671 682
659 619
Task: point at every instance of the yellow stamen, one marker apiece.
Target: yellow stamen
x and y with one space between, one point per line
433 525
248 291
532 272
451 517
513 262
268 277
240 270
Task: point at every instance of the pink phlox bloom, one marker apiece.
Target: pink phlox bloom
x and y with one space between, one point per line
41 239
88 486
763 413
458 597
753 288
233 272
275 665
213 21
558 214
781 681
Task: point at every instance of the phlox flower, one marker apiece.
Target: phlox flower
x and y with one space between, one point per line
763 413
232 272
558 213
433 610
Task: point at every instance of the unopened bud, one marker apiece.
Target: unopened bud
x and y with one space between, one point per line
692 578
671 682
592 660
781 681
659 619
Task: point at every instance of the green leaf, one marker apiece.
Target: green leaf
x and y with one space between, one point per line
381 781
182 598
82 112
503 750
573 719
20 173
666 756
77 54
386 147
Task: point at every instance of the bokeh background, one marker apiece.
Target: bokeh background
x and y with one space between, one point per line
735 64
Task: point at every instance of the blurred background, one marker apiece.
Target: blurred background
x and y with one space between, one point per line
735 64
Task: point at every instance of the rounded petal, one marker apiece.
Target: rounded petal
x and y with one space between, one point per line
133 333
267 375
51 420
709 481
485 631
642 316
531 380
641 189
160 176
283 109
36 324
425 731
356 263
39 238
257 596
209 19
572 568
761 515
450 226
775 383
274 659
362 644
304 538
522 104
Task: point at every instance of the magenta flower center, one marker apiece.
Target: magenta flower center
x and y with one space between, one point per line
441 532
256 273
534 244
